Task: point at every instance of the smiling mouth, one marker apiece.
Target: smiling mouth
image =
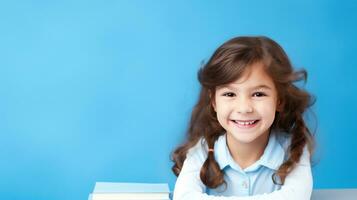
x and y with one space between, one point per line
245 122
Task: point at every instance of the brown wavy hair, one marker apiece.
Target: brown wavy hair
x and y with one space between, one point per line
226 65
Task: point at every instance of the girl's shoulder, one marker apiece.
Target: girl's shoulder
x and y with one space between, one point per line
284 139
199 150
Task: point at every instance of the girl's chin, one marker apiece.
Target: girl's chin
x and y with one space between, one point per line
244 139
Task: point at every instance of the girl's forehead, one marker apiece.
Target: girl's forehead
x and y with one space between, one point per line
254 76
252 87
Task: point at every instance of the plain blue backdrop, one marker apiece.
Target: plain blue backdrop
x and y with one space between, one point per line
103 90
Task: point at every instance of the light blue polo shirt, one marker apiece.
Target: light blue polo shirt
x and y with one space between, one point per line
255 179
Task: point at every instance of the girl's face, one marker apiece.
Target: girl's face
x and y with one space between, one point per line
246 108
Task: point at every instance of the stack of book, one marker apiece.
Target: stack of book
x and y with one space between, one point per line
130 191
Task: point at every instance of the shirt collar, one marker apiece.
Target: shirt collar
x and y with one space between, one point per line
221 152
274 153
272 157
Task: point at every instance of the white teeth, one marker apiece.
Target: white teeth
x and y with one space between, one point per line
244 123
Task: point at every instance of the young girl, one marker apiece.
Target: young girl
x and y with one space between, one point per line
247 139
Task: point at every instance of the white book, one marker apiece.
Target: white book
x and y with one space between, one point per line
130 191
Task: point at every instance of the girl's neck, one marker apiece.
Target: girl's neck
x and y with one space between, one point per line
246 154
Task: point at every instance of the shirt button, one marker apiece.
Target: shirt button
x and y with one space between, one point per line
245 184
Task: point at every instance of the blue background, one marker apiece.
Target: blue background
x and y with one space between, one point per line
103 90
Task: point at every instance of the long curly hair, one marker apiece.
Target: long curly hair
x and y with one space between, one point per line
226 65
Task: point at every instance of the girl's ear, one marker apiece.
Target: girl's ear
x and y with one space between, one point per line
213 102
214 105
280 106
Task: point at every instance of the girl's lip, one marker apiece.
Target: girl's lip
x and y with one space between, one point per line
245 126
245 120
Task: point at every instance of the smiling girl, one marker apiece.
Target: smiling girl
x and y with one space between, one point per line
247 138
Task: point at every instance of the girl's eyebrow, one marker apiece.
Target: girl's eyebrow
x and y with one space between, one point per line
262 86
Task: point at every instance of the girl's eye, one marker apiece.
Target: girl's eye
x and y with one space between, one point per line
229 94
259 94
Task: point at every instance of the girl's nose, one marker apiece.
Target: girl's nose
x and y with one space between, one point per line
244 106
